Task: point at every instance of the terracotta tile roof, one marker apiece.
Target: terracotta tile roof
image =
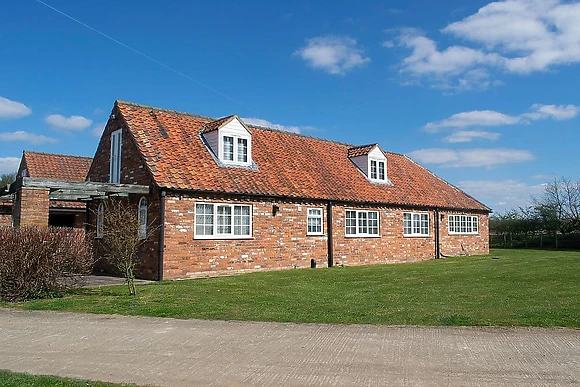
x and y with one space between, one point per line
215 125
53 166
288 164
360 150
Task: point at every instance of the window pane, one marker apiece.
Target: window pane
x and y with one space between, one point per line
373 223
373 169
362 222
142 217
463 224
381 170
242 220
204 219
350 223
224 220
228 148
475 224
424 224
407 224
242 150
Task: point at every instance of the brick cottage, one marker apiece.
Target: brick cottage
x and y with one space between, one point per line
228 197
33 206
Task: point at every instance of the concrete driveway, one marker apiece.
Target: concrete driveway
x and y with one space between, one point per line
169 352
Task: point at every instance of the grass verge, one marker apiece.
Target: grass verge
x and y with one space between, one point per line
18 379
520 288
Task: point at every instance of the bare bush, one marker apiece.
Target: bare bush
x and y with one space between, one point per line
121 238
37 262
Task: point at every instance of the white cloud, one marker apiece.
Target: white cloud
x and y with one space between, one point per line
557 112
514 36
333 54
468 136
472 118
13 109
9 164
494 118
27 137
68 123
268 124
501 194
477 157
97 130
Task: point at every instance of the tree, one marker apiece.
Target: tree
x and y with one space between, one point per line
560 203
7 178
122 238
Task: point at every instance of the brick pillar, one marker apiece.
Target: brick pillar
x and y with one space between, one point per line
31 207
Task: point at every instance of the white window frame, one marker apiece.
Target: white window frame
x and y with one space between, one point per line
115 156
376 174
362 221
416 225
142 218
462 224
237 138
311 216
100 226
232 216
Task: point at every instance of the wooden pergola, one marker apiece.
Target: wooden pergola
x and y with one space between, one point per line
33 196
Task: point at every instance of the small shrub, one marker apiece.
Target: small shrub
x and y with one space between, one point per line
38 262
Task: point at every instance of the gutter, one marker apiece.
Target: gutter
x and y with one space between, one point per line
437 235
329 239
161 234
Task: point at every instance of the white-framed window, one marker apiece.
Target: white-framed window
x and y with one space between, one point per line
229 221
415 224
377 170
142 218
100 220
463 224
362 223
314 220
115 160
235 149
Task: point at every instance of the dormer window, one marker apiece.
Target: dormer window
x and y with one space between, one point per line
377 170
371 161
230 140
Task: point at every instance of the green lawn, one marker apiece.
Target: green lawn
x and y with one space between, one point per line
522 287
17 379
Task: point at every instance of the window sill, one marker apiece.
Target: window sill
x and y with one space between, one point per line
361 236
416 236
222 238
315 234
463 233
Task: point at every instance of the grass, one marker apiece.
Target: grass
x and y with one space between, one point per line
521 288
17 379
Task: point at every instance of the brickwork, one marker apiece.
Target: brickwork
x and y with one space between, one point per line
465 244
5 215
391 247
278 241
31 207
133 171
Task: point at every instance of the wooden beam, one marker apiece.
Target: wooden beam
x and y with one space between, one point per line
85 186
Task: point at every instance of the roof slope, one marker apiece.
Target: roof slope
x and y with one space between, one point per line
288 164
58 167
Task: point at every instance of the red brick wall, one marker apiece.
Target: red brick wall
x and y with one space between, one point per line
133 171
31 207
281 241
453 244
277 242
391 247
5 215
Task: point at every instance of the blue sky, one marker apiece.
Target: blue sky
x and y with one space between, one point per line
486 95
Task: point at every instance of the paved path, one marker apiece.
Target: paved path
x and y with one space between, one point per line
173 352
